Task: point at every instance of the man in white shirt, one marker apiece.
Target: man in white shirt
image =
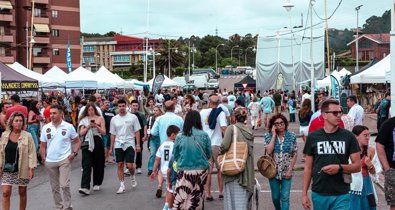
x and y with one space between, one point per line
214 124
305 96
159 98
126 139
356 111
231 99
57 153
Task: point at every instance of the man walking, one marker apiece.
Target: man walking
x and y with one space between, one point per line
16 107
267 105
327 153
356 111
277 101
125 138
385 142
57 154
108 114
384 108
143 133
214 124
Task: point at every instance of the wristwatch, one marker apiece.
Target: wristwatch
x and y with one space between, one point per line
75 154
340 168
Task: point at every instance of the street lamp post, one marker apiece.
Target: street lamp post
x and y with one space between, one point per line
288 6
231 52
176 50
245 54
356 40
31 38
189 58
193 56
216 57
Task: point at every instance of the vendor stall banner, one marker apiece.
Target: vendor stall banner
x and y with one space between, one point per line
157 84
68 56
335 88
18 86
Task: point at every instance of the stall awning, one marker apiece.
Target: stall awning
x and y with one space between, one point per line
5 5
41 28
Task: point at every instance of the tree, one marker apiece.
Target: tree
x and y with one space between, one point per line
176 57
377 25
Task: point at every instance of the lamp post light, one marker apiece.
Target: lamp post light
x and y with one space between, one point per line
193 56
288 5
152 51
216 57
231 52
356 40
176 50
245 54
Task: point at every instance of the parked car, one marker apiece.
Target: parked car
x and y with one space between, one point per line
212 84
187 88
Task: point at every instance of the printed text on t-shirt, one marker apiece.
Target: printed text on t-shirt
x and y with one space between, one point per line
324 147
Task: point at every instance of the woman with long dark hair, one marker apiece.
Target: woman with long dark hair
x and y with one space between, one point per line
33 121
191 151
149 107
190 103
16 150
281 144
91 129
363 194
305 114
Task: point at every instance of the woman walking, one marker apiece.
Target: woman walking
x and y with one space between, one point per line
33 122
281 144
363 194
239 188
18 159
191 151
153 141
91 129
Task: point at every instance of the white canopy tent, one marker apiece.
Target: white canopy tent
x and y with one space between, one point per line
167 83
56 73
327 80
343 72
374 74
81 78
107 79
43 81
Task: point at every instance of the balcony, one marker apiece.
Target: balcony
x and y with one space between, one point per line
41 40
7 59
41 20
42 59
40 1
6 38
6 17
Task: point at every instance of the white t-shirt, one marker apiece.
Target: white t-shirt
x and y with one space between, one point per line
356 112
159 99
226 110
165 153
216 134
124 129
58 140
254 108
178 109
305 96
232 100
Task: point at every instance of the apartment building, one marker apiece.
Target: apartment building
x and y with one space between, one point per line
35 33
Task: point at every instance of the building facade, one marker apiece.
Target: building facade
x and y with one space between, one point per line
40 31
115 52
371 46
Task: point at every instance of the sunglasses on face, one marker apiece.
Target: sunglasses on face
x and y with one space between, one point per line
335 113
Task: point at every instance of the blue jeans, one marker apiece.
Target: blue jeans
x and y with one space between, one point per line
280 193
331 202
154 144
33 130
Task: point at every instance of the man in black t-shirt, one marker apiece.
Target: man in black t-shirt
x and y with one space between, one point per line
143 133
385 142
327 153
108 114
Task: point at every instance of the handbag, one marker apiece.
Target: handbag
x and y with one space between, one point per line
12 167
266 166
347 178
234 160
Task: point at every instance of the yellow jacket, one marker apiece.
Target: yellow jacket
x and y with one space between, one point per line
27 153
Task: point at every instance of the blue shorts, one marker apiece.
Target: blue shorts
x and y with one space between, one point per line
330 202
107 141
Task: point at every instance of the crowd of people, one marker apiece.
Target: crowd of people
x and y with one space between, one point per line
186 133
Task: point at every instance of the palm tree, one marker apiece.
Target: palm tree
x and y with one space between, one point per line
176 57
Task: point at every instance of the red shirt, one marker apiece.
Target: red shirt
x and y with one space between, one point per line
16 108
47 112
318 123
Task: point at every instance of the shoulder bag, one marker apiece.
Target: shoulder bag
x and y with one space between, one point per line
234 160
347 178
12 167
266 166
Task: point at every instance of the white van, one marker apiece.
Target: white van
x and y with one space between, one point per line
200 81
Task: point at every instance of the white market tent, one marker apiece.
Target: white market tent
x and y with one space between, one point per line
167 83
81 78
106 79
327 80
56 73
43 81
343 72
374 74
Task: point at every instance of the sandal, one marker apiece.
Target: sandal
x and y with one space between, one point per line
221 197
209 198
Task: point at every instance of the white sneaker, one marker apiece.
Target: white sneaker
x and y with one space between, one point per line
96 188
121 189
133 181
139 171
126 172
84 191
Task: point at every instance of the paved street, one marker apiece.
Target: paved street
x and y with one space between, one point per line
143 196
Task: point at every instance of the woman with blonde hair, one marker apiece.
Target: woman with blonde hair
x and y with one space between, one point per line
239 188
18 159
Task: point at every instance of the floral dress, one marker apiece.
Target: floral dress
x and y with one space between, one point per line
283 152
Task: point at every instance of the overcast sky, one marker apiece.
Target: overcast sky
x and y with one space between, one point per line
177 18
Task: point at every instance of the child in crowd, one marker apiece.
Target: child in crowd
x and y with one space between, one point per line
254 108
163 155
171 182
292 108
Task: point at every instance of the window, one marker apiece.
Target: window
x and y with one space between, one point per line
2 51
55 52
2 30
37 12
37 51
122 58
55 32
88 59
55 13
89 48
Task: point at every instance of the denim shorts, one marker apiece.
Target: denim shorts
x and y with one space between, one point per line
329 202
